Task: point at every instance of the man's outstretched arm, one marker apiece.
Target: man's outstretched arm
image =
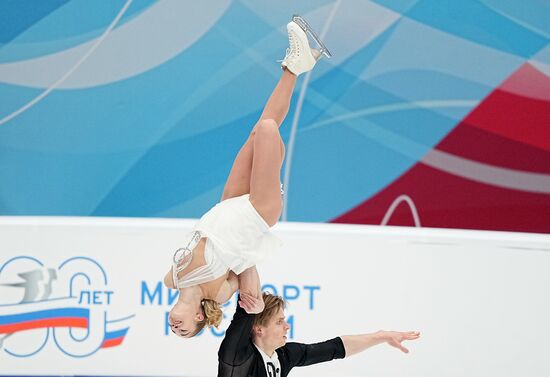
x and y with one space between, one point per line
344 346
359 343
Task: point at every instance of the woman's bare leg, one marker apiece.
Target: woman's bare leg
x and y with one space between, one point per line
265 178
278 103
239 180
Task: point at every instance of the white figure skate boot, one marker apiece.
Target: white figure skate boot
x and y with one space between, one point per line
300 57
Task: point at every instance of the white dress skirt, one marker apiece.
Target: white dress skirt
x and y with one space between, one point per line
237 238
240 235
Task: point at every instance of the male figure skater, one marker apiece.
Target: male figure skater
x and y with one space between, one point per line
255 344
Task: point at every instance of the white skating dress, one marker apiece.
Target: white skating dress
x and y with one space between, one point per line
237 238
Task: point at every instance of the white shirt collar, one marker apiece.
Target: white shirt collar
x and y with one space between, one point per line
274 359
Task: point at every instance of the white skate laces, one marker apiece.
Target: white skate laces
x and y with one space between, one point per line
293 51
300 57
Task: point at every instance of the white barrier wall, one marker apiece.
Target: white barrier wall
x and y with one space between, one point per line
83 296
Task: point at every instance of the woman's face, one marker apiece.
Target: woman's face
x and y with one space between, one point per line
183 319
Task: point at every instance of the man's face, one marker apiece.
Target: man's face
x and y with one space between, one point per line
275 332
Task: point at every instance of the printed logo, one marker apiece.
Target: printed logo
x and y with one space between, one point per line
69 305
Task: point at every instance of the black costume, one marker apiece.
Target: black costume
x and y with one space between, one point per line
238 357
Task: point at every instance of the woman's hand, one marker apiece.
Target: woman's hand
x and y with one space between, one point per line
251 304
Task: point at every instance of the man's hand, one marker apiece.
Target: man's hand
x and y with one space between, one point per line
358 343
395 338
251 304
249 282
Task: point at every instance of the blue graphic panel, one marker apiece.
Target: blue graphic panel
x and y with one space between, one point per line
139 108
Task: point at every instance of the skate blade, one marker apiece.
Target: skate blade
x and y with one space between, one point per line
306 27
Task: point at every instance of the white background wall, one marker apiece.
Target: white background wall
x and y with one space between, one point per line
480 299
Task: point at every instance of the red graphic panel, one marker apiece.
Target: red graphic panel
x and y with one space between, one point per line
510 129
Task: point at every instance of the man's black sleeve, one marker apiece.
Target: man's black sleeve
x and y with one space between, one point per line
236 347
299 354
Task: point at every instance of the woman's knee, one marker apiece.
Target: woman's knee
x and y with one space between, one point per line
266 128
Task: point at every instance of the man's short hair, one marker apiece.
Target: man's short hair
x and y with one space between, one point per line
272 305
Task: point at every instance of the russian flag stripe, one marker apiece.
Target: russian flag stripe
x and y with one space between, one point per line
116 334
43 323
112 342
45 314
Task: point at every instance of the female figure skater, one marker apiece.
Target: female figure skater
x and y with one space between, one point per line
221 252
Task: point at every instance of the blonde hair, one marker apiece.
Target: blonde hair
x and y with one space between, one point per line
272 305
213 315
